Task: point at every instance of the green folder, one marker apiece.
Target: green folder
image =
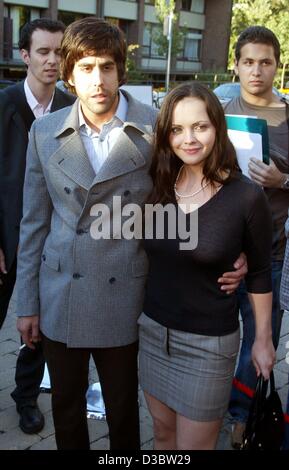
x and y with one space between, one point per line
253 126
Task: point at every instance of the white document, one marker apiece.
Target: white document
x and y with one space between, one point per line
95 404
45 384
247 145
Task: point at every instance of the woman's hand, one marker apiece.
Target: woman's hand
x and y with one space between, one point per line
263 357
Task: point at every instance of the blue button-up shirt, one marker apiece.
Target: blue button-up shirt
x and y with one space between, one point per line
98 145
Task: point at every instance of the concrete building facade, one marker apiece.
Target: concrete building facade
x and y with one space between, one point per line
203 25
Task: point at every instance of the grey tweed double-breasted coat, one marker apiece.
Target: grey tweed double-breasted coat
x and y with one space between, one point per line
88 292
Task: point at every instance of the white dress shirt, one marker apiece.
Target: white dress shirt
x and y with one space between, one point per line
98 145
37 108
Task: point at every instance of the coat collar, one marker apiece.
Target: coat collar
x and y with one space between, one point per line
124 157
133 118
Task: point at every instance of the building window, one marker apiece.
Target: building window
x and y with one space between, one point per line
198 6
195 6
191 47
19 16
24 16
16 17
186 5
122 24
152 38
68 17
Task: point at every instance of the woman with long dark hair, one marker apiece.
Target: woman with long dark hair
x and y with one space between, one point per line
189 331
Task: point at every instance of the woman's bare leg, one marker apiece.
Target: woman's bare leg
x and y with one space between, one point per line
196 435
164 423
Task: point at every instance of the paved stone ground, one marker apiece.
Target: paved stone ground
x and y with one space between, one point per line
12 438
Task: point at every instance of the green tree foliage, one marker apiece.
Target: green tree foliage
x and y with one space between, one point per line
133 73
274 14
162 10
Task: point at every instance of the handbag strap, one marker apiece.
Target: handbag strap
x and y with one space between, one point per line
260 393
272 382
262 388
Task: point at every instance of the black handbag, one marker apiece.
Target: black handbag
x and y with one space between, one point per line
265 426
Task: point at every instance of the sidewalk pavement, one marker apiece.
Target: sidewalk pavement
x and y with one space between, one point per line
12 438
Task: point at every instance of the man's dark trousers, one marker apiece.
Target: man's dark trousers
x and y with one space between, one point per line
30 363
6 289
28 375
117 372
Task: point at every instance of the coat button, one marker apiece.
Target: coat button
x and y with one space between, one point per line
112 280
43 257
126 193
67 190
76 275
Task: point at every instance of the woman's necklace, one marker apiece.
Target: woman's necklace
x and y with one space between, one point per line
187 195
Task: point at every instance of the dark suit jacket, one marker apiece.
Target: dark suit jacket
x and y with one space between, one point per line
16 119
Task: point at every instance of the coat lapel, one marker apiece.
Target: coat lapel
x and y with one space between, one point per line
72 159
71 156
123 158
17 96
